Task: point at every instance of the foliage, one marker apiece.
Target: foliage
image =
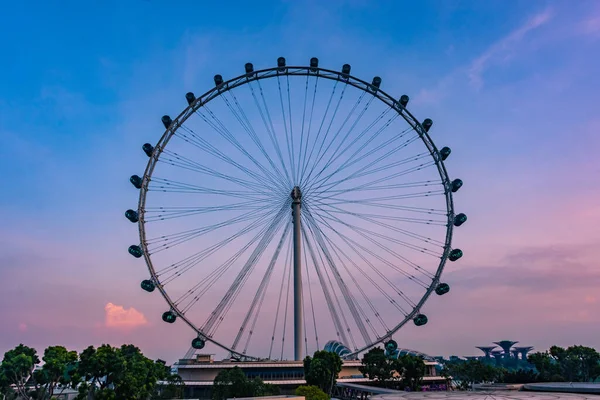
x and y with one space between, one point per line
377 367
123 373
60 368
573 364
468 372
521 376
173 389
310 392
231 383
411 370
322 369
17 368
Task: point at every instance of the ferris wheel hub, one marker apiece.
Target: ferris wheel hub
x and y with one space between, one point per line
296 193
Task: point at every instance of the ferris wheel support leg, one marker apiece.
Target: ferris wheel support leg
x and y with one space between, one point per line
298 314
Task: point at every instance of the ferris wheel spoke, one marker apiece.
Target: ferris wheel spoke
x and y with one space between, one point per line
189 136
353 305
362 134
266 117
243 119
320 154
323 258
219 312
338 253
329 299
224 132
373 219
168 241
318 135
154 214
367 169
338 250
206 283
334 194
353 248
312 306
310 119
185 163
171 186
261 289
405 273
359 156
288 130
287 270
333 156
367 234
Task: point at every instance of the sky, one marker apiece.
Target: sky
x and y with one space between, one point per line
511 86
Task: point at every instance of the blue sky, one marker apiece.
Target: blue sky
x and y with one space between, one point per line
511 86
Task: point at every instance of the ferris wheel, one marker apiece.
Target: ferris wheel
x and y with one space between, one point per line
293 206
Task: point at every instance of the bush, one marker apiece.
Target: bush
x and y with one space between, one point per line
311 393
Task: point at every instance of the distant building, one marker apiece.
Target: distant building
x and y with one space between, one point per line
198 373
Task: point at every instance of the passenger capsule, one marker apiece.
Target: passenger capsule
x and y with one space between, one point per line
404 100
314 64
218 80
420 320
460 219
136 181
132 215
148 149
442 289
445 152
456 184
148 285
427 124
167 121
346 69
281 63
169 317
249 68
376 83
190 98
391 345
455 254
198 343
135 251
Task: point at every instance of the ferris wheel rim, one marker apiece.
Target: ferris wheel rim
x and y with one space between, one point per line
279 71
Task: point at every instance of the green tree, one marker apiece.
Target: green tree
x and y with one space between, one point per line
59 369
124 373
172 389
231 383
17 368
466 373
376 366
310 392
322 369
411 370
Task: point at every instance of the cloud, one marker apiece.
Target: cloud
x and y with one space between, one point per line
119 317
501 49
23 327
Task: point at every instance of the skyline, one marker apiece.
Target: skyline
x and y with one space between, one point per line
511 89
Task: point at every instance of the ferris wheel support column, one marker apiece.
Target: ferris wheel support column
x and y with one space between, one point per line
298 321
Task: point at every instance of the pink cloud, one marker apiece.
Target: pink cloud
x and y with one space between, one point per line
119 317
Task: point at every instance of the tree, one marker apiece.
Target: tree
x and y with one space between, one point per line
466 373
411 370
521 376
231 383
310 392
59 369
174 388
573 364
376 366
124 373
17 368
322 369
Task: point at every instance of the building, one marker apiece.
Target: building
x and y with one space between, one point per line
198 373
